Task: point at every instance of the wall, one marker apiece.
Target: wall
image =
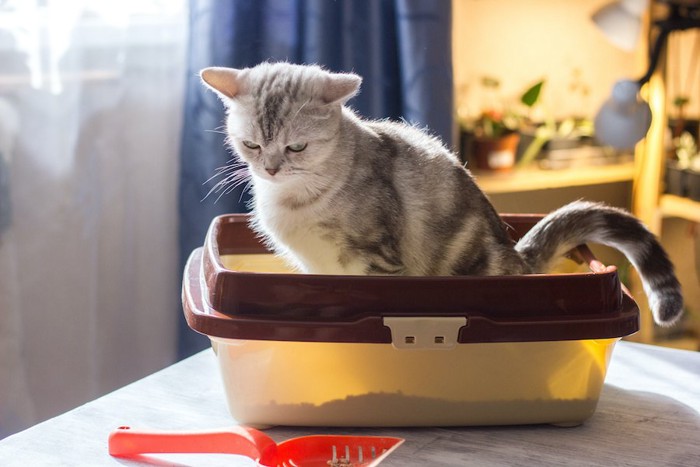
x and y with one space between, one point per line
683 71
520 42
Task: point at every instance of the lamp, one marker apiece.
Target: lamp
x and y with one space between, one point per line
621 22
624 118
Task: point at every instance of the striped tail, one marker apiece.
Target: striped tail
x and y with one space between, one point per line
585 222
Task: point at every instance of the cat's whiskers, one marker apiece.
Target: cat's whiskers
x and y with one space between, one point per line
235 173
247 187
229 168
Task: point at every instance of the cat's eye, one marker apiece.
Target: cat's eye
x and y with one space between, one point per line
297 147
250 144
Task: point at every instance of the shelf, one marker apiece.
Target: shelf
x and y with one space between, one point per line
530 179
683 343
677 206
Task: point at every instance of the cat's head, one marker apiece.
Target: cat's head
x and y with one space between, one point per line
282 119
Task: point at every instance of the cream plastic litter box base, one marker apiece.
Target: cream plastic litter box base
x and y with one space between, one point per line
316 384
310 350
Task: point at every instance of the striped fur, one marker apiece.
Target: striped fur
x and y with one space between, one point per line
584 222
380 197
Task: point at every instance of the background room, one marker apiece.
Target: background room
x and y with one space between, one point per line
109 150
560 45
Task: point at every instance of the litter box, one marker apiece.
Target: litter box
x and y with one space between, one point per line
370 351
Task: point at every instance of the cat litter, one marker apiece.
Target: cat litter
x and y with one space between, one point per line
371 351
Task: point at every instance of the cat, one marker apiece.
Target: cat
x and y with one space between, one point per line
336 194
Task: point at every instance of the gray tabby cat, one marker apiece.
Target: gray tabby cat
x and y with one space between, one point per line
335 194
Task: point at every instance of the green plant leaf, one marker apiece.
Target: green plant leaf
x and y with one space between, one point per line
680 101
532 95
566 127
490 82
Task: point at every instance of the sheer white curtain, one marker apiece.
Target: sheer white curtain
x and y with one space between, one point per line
91 96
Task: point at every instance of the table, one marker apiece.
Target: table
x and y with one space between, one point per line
648 414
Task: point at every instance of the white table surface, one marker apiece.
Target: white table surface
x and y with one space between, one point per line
648 414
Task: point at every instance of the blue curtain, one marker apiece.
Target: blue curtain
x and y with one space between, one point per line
401 48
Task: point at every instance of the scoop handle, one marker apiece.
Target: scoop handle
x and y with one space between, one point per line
245 441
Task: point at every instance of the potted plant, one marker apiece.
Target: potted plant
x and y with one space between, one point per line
552 134
496 131
556 135
675 179
683 168
694 179
683 174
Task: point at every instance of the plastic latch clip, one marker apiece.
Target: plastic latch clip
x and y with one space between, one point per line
424 332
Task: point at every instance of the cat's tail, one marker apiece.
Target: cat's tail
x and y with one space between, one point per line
585 222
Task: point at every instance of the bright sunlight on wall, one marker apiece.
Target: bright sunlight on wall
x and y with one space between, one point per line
521 42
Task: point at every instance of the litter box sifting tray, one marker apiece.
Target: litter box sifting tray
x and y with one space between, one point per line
315 350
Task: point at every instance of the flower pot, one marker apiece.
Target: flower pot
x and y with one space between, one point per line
466 146
676 179
496 153
526 139
693 184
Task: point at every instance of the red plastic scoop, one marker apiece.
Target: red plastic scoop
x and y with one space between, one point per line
304 451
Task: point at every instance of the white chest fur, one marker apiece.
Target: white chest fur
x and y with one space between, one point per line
298 236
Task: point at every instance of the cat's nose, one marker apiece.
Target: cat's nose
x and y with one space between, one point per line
272 171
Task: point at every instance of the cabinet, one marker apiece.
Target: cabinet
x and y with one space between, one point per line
653 207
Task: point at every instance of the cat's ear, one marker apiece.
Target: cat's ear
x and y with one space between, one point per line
224 81
340 87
